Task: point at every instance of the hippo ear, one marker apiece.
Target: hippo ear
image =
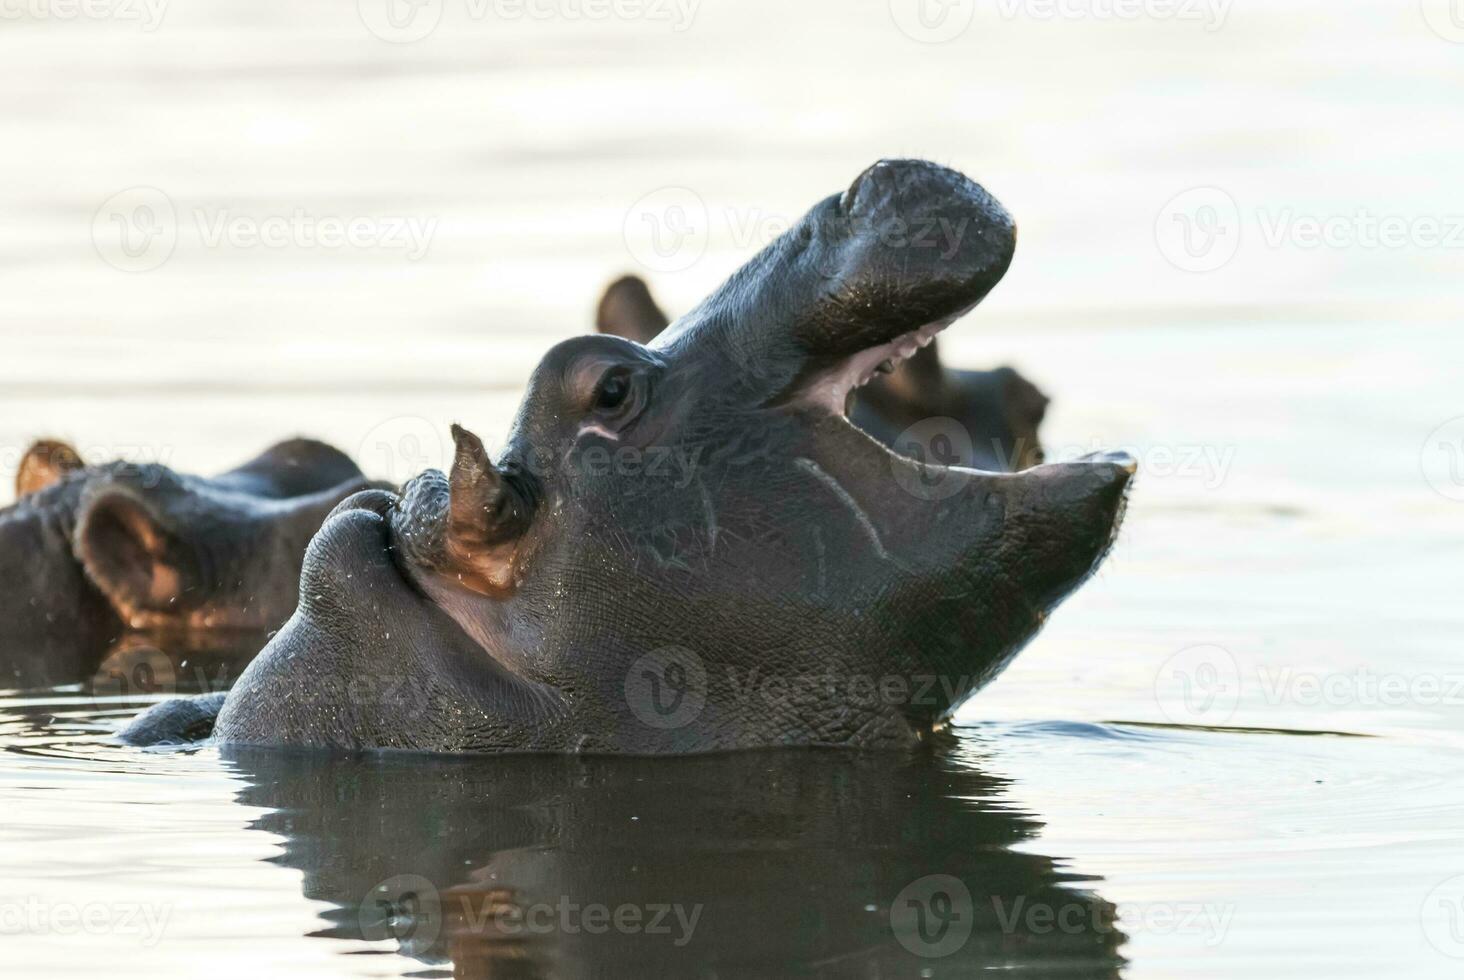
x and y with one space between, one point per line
1027 404
45 464
867 277
919 381
627 310
132 556
466 527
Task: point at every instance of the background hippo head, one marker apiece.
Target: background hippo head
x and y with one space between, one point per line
988 420
90 554
687 547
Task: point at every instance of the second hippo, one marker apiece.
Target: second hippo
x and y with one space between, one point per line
90 555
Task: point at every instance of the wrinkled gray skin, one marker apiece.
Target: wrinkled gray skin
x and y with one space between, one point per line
998 412
565 600
89 555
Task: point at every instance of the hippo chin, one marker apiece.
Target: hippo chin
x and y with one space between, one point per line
987 420
687 547
93 557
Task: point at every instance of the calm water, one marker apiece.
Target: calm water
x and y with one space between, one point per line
1236 752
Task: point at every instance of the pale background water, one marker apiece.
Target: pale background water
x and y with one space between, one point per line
1245 734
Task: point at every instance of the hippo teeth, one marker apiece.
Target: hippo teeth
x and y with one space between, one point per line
831 390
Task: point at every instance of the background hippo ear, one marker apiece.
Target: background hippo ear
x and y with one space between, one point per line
132 556
1026 401
628 310
45 464
877 270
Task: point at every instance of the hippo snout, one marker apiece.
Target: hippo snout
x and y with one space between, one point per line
1072 511
934 212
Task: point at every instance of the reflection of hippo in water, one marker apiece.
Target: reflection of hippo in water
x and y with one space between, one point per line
688 547
789 862
987 419
89 554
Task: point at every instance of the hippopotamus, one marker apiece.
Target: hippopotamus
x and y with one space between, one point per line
687 547
988 420
92 554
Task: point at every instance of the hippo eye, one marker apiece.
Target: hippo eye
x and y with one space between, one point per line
614 389
620 396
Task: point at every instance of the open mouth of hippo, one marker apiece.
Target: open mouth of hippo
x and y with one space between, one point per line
833 390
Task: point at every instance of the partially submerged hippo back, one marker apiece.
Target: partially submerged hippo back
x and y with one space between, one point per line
987 420
688 547
91 554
